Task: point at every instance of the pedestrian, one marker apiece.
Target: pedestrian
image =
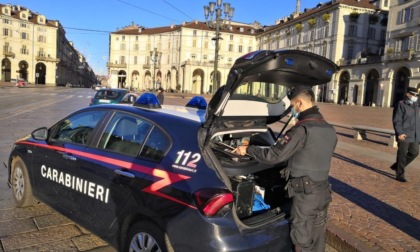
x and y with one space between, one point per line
160 95
308 148
406 121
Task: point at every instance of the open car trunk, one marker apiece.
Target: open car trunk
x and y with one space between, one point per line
258 188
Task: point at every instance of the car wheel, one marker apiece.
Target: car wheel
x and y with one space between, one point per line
21 186
146 236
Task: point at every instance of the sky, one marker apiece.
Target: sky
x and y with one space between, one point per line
88 22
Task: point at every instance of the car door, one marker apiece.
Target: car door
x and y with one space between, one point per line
57 179
111 167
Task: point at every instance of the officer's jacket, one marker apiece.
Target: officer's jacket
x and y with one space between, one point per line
308 147
406 120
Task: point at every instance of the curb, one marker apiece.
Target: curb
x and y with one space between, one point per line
343 241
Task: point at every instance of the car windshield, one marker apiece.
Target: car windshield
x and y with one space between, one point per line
260 91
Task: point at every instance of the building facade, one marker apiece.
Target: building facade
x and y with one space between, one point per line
36 49
177 57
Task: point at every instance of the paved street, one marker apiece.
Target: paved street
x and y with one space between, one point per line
370 211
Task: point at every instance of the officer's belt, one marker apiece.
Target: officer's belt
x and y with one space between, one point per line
306 185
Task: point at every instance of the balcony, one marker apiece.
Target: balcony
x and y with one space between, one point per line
116 65
395 56
8 52
147 66
43 57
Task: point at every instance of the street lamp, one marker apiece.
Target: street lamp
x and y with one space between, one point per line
155 58
214 20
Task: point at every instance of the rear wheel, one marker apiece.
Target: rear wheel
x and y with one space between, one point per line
146 236
21 186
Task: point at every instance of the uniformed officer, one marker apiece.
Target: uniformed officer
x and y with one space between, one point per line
308 147
406 120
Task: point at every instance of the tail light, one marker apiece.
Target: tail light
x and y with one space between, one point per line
213 202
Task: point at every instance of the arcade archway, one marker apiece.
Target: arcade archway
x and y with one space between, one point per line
400 85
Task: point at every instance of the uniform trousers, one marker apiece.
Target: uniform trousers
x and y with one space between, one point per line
308 217
406 153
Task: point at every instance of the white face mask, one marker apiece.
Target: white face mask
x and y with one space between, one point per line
413 98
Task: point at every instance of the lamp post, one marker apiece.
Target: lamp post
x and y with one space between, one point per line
214 20
155 58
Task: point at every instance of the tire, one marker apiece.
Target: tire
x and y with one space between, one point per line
21 185
147 236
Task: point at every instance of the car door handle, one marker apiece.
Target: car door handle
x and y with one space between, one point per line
124 173
69 157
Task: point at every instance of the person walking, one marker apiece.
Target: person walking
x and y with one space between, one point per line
160 95
308 148
406 121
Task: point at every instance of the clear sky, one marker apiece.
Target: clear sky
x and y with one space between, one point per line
89 22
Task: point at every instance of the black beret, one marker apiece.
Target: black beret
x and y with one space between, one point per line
295 91
413 91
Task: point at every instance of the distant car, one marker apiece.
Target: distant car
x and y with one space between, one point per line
108 96
97 87
146 177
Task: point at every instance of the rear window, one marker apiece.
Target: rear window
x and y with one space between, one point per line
107 94
260 91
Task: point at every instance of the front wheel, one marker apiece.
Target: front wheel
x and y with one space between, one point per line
21 185
146 236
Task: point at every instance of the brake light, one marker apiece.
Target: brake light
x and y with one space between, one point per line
213 202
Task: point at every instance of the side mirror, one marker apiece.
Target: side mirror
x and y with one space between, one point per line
131 98
40 134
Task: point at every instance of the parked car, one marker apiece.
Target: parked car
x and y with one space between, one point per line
108 96
164 178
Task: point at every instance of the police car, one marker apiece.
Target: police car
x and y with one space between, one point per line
146 177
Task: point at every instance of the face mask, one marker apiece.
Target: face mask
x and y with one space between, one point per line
413 98
295 114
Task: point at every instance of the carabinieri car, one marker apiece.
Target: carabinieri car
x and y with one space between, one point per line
147 177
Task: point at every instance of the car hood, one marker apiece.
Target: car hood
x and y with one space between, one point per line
274 72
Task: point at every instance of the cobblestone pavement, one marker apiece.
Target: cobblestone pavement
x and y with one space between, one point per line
370 211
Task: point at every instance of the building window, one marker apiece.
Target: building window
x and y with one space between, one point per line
353 30
6 21
406 15
42 39
194 43
326 31
386 3
135 60
205 56
231 37
206 45
383 35
23 25
230 48
122 59
6 32
24 50
123 38
371 33
230 59
405 43
240 48
136 47
250 49
312 35
193 56
324 49
24 35
41 52
350 50
137 38
123 47
195 33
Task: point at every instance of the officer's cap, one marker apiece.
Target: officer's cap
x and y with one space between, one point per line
295 91
413 91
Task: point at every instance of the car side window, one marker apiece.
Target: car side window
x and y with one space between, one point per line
78 128
156 145
124 134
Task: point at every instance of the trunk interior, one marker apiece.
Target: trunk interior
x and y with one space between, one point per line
258 188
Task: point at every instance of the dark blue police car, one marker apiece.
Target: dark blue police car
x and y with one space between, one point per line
147 177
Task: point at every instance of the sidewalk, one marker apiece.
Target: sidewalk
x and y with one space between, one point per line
370 211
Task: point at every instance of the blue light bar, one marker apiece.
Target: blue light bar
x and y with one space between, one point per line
197 102
147 100
329 72
289 61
